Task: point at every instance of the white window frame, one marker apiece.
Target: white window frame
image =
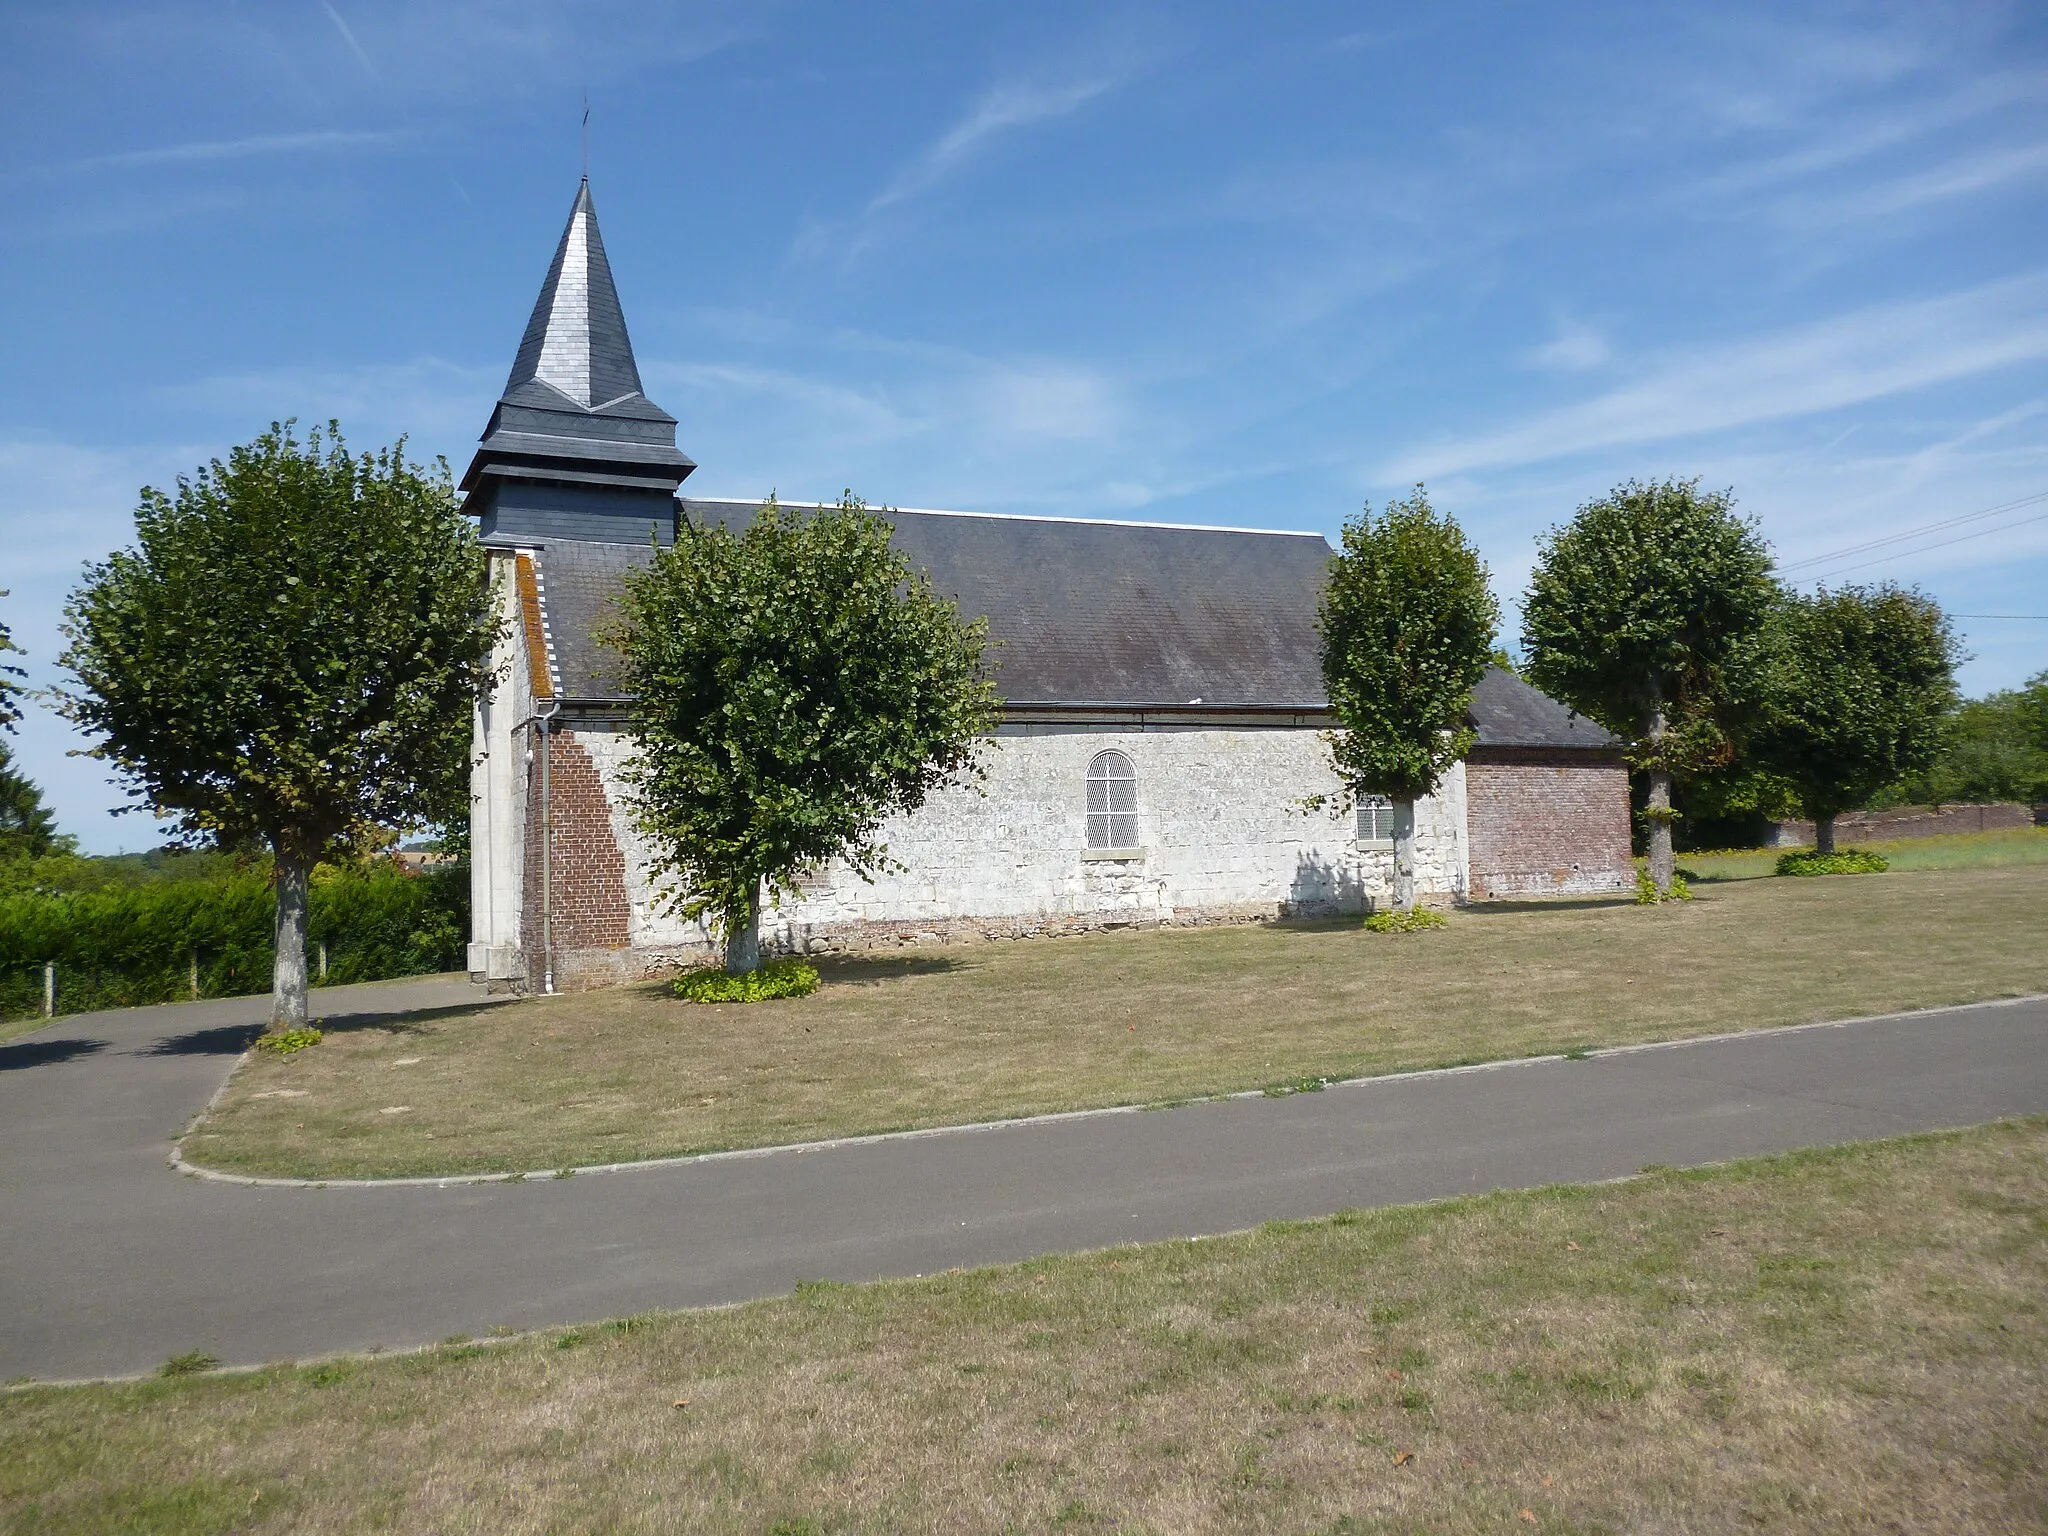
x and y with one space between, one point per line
1375 821
1108 812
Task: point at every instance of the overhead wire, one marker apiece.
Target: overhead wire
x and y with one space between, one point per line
1910 534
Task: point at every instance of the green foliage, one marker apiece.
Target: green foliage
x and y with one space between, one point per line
1643 613
190 1364
1997 749
65 871
291 650
10 678
777 978
286 1041
794 683
1414 920
122 945
28 829
1407 626
1844 861
1856 691
1647 894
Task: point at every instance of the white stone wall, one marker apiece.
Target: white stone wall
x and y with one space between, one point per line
1219 820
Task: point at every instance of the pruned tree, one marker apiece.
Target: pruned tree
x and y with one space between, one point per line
1644 613
1407 625
290 653
794 683
1858 693
11 678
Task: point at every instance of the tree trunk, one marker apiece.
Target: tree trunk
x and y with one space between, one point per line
1657 810
1663 863
1823 834
288 975
1404 855
743 939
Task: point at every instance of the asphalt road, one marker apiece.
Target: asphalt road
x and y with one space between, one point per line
110 1261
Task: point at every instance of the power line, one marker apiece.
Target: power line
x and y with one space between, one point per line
1961 538
2026 618
1910 534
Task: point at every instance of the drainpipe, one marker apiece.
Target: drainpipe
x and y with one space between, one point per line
545 720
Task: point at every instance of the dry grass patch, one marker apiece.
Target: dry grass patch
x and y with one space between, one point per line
956 1035
1851 1339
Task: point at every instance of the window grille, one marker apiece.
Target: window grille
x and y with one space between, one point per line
1375 819
1112 801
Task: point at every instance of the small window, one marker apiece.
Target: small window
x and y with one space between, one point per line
1112 801
1375 819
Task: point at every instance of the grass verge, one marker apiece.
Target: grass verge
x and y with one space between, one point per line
949 1036
1847 1339
1951 850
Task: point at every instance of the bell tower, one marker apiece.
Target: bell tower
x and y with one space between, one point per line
574 450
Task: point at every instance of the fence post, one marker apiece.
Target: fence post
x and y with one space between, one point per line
323 960
195 974
49 989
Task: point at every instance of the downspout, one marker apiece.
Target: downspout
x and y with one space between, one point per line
545 720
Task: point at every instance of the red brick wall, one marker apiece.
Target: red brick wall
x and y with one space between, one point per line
1543 822
587 873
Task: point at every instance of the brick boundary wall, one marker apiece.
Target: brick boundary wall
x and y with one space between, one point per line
1543 822
587 873
1910 821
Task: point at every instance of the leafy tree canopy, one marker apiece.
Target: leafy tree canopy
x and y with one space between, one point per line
1643 613
1995 751
1858 690
10 678
794 683
1407 626
28 829
289 653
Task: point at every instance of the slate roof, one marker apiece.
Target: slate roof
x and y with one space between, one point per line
1508 712
572 407
1118 616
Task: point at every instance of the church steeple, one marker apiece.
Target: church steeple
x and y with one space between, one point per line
574 449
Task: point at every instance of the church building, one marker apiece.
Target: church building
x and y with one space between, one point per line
1162 721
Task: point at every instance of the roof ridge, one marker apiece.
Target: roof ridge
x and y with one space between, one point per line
1027 517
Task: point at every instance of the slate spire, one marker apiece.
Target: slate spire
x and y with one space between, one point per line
576 341
574 448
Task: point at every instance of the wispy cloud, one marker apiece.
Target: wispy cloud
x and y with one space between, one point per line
206 150
1575 348
1017 104
350 38
1960 177
1866 355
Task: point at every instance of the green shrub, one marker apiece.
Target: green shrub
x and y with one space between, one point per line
1843 861
1412 921
121 946
777 978
284 1042
1647 894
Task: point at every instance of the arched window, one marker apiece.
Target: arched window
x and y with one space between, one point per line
1112 801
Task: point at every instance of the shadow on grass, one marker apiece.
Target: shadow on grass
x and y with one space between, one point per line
412 1021
876 968
42 1053
1506 905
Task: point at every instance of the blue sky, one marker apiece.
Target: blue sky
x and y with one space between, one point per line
1244 265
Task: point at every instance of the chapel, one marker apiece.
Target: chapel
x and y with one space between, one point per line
1162 720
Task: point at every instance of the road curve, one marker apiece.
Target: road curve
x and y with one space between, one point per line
111 1262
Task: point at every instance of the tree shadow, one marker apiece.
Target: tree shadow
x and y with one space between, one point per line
1501 906
1322 894
412 1021
223 1040
24 1054
879 968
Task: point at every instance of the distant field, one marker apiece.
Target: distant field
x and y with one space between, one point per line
1844 1340
948 1035
1957 850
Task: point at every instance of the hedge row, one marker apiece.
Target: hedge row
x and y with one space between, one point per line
126 946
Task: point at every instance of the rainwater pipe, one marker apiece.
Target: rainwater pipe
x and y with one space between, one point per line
545 720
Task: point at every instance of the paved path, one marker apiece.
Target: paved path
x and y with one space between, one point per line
109 1262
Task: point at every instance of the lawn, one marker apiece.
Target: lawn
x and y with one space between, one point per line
1955 850
947 1036
1849 1339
